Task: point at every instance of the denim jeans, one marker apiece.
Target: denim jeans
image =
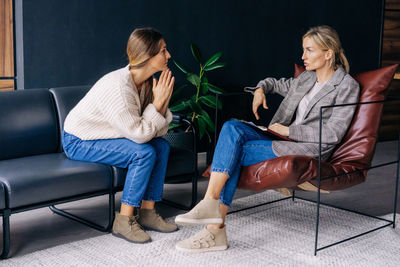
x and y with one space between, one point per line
238 145
146 163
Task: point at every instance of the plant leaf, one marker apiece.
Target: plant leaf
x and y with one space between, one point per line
212 59
204 85
195 106
196 52
193 79
180 66
215 66
202 126
176 92
180 106
215 89
208 120
219 104
210 101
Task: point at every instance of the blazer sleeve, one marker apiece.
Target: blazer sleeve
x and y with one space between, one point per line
336 126
274 86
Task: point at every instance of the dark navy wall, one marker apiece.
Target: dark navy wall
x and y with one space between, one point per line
76 42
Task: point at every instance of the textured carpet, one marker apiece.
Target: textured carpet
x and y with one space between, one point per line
279 234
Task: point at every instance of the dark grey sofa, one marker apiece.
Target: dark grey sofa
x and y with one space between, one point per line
34 171
2 197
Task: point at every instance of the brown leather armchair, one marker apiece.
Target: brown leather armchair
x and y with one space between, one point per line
354 153
349 162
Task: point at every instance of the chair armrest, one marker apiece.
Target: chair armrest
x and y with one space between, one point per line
180 119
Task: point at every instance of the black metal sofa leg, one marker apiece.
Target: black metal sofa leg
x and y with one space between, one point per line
111 214
193 201
6 234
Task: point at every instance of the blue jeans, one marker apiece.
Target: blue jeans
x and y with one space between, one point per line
238 145
146 163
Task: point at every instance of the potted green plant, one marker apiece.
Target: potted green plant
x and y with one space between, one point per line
193 107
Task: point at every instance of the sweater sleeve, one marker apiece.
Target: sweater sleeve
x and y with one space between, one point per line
164 130
123 113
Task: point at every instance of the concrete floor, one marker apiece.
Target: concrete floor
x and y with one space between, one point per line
41 229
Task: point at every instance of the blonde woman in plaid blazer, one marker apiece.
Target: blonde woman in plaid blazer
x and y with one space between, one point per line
325 82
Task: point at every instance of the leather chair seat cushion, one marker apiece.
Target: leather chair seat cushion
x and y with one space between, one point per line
2 197
290 171
42 178
180 162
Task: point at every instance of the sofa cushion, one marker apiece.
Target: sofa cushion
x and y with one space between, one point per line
28 125
41 178
2 197
66 99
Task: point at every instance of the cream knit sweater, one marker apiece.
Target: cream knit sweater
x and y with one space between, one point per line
113 108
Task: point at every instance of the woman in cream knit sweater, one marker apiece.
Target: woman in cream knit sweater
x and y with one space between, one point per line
119 122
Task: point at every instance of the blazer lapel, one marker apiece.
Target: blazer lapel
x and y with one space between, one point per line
301 91
330 85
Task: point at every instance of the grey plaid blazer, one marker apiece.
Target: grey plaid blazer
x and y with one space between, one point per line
341 88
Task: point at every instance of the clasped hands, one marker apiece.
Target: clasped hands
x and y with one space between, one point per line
260 99
162 91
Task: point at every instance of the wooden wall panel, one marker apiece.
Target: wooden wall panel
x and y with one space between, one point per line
392 4
391 38
6 85
6 39
390 124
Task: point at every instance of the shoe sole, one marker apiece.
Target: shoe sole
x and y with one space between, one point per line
186 221
157 230
200 250
131 241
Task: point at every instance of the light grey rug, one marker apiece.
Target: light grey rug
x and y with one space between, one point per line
279 234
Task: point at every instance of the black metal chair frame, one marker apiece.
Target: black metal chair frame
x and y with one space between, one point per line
319 179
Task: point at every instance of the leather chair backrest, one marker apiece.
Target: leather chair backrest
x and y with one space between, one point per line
358 145
28 123
66 99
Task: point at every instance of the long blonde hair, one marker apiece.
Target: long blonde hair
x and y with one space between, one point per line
327 38
143 44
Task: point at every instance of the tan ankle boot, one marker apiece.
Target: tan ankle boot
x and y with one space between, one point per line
206 211
126 227
149 219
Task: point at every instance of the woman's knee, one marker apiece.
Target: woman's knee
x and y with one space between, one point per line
162 146
231 128
232 125
147 152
